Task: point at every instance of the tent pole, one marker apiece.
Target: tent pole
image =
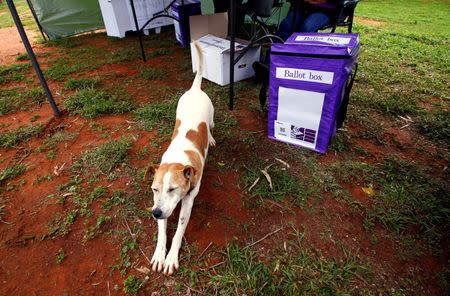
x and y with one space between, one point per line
33 12
26 42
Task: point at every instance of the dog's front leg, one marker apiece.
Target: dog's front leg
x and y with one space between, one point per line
160 251
171 262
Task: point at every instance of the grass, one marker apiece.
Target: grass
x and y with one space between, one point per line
285 185
436 125
90 103
14 72
12 172
153 74
13 100
20 135
60 226
60 256
82 83
405 61
23 11
157 115
132 284
406 197
60 136
296 272
106 157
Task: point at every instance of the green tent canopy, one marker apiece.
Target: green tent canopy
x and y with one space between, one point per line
69 17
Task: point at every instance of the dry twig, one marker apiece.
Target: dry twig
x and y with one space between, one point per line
263 238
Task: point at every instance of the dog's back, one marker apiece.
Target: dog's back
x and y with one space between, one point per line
194 117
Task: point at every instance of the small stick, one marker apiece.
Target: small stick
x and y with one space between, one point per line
283 162
109 292
129 229
200 256
211 267
254 184
263 238
148 260
133 237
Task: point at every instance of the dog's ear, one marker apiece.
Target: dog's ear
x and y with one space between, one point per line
151 169
189 172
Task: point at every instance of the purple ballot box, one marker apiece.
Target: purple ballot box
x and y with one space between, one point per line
309 86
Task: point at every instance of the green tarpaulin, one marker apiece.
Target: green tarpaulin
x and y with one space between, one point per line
61 18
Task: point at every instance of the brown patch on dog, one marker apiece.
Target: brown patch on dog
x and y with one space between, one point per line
151 168
196 161
175 129
178 178
199 137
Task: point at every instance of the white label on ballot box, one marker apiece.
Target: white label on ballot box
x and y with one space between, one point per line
325 39
305 75
298 117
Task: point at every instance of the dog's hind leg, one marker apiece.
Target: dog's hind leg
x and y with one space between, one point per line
160 251
211 140
171 262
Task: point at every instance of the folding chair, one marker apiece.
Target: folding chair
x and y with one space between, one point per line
344 16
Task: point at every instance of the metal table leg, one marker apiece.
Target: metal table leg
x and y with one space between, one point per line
37 68
232 41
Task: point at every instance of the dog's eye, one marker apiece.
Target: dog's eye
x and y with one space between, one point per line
155 190
171 189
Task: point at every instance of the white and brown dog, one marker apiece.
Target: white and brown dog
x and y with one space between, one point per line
178 176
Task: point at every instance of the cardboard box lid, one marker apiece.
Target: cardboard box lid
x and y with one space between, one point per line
213 24
218 44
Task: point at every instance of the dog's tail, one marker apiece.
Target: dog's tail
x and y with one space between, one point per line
198 77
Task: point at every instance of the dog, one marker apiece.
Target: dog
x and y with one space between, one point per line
178 176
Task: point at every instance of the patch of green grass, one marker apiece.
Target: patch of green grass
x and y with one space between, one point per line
409 197
92 103
24 14
160 52
60 69
20 135
12 172
60 256
406 196
13 100
153 74
60 136
51 154
436 125
161 115
22 57
132 284
117 198
285 184
127 249
298 273
13 72
59 225
106 157
92 231
124 54
67 42
82 83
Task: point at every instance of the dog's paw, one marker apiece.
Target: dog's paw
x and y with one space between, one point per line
158 260
212 142
171 263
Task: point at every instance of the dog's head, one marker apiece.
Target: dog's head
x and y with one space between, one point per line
171 182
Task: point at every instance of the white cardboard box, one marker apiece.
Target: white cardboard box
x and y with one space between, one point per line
211 31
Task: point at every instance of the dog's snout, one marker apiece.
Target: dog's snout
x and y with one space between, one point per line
157 213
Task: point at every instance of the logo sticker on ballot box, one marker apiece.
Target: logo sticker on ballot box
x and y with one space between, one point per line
298 116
